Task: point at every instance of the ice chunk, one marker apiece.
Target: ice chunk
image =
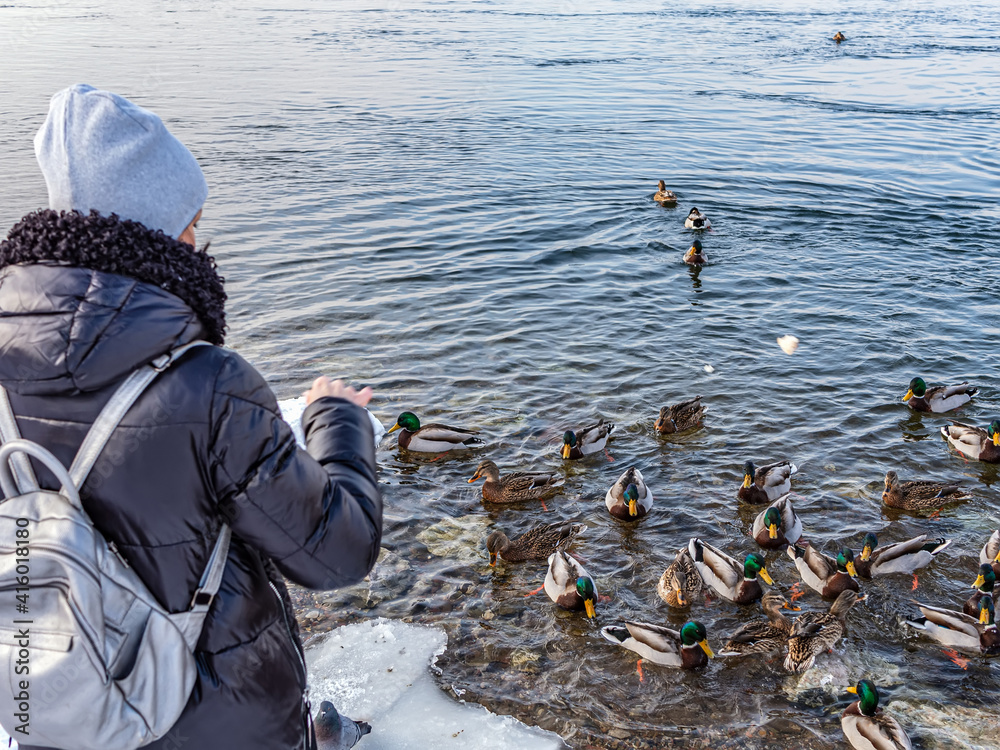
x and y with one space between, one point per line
291 412
377 672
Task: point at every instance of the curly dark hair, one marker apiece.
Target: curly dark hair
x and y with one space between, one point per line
113 245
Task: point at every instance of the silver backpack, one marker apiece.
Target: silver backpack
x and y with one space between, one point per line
93 661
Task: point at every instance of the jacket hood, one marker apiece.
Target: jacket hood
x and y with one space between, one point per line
85 299
69 330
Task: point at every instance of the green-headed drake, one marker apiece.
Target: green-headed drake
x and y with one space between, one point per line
975 442
569 585
432 438
823 574
939 398
629 499
687 648
732 580
868 727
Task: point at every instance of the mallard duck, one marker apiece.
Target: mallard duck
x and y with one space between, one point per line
734 581
975 442
867 727
919 494
569 585
824 574
838 38
629 499
687 649
697 220
535 544
680 417
766 484
990 552
696 255
761 637
958 630
589 440
939 398
432 438
681 582
985 585
901 557
664 196
517 486
815 632
777 525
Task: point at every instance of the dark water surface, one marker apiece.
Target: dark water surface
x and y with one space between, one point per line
451 201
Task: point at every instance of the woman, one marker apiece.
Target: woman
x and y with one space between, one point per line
104 282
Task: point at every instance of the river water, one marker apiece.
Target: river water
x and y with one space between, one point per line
451 202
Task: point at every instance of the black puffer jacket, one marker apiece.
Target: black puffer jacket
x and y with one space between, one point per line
203 445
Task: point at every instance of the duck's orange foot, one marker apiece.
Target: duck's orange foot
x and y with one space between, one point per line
936 514
796 592
638 671
532 593
603 598
438 458
608 455
959 661
545 507
915 583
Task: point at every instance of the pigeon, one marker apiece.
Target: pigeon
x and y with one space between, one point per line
336 732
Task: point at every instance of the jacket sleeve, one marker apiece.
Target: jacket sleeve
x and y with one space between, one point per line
317 515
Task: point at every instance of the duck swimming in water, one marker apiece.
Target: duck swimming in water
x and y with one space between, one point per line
583 442
696 256
839 37
663 196
432 438
975 442
680 417
697 220
867 726
938 398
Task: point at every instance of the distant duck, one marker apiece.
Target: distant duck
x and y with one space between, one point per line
975 442
920 494
901 557
629 499
568 584
681 584
939 398
777 526
679 417
687 649
697 220
432 438
336 732
957 630
766 484
815 632
517 486
663 196
985 585
761 636
990 552
732 580
838 38
535 544
868 727
592 439
823 574
696 256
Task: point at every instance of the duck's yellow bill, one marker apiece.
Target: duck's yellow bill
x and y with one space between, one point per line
984 617
706 648
394 428
566 450
493 559
996 439
681 601
633 508
588 605
475 477
866 553
766 576
747 480
997 558
852 689
772 530
851 570
979 582
909 395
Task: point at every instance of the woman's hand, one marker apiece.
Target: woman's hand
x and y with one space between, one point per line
323 386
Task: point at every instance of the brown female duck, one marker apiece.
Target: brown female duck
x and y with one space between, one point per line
815 632
919 494
760 636
517 486
535 544
681 584
679 417
663 196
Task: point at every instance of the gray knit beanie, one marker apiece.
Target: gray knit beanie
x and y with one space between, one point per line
100 151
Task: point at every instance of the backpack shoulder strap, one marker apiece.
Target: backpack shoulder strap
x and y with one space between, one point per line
24 475
113 412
